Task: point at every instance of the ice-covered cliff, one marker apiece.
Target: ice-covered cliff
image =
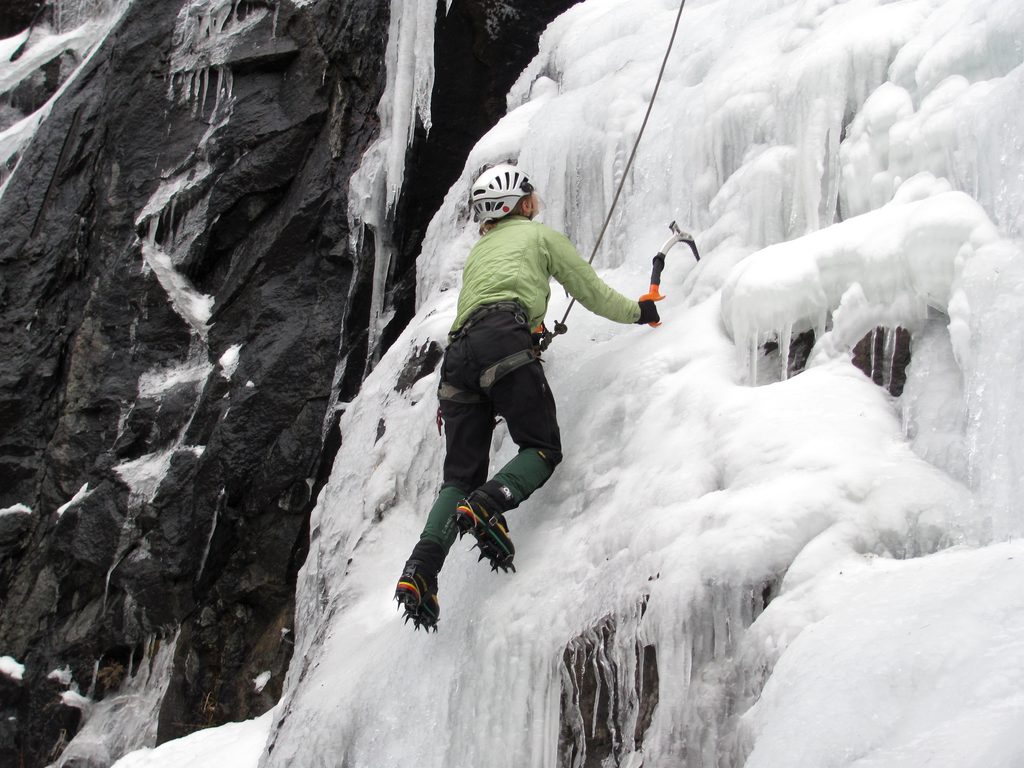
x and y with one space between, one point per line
753 554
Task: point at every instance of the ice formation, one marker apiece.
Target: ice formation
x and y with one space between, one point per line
229 361
17 509
830 157
125 720
83 493
62 676
375 186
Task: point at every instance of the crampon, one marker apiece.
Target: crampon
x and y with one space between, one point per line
490 531
416 593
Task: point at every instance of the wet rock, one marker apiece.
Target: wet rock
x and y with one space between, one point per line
883 355
11 700
423 362
599 727
17 15
14 527
273 255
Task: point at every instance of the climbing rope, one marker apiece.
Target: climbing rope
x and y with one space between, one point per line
560 326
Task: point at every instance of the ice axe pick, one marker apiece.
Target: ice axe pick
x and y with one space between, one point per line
678 236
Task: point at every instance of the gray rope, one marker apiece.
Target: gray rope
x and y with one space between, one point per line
560 326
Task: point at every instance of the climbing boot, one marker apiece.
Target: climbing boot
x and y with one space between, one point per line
482 515
416 592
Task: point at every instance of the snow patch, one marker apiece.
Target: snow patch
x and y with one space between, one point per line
229 361
171 188
17 509
260 681
83 493
157 381
76 700
235 745
9 45
63 676
192 306
938 645
12 668
145 474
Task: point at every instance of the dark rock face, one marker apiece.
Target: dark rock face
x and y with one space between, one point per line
197 484
594 716
883 355
178 169
16 15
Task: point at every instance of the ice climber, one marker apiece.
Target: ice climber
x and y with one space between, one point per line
492 368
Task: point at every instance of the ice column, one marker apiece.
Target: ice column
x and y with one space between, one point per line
377 183
993 289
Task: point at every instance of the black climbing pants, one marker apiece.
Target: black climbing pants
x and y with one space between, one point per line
520 396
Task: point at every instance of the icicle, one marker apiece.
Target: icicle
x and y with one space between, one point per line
753 353
874 356
204 77
172 226
209 536
95 676
785 341
225 86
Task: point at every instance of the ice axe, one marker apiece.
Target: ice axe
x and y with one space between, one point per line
678 236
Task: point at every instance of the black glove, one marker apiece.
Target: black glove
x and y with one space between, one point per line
648 312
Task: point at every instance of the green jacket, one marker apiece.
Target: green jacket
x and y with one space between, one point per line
516 260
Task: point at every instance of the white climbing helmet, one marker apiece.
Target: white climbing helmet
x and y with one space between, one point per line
497 190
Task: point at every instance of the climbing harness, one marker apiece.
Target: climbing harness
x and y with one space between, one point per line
492 373
560 326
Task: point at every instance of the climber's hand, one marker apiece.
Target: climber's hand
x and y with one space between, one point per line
649 312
